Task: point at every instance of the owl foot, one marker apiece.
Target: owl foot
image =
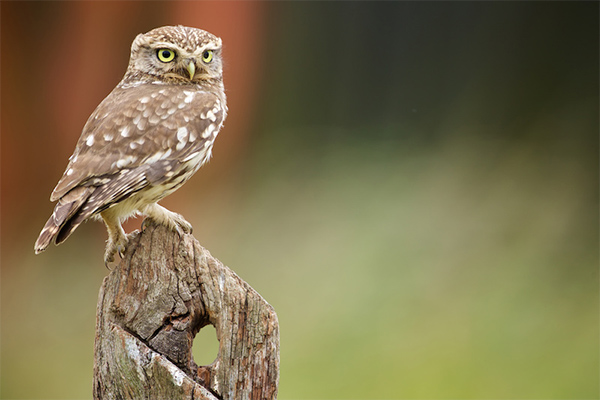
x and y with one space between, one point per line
117 246
180 225
162 216
114 246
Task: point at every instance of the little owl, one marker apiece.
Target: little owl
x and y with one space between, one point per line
145 139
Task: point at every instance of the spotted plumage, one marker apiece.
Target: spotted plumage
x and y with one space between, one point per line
145 139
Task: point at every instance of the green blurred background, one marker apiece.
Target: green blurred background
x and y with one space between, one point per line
412 185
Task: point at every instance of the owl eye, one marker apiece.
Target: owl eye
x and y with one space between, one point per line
165 55
207 56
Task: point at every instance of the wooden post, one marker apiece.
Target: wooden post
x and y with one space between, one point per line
152 305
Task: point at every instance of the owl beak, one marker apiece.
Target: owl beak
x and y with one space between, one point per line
191 67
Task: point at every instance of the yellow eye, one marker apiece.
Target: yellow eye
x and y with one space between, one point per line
165 55
207 56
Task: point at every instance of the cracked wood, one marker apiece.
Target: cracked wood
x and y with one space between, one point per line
152 305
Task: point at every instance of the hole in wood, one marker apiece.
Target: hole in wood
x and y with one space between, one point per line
205 348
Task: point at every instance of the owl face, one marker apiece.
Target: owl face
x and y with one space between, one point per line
176 55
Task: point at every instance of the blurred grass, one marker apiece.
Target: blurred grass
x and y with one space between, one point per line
462 270
468 271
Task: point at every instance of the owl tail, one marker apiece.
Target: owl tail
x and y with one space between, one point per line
67 216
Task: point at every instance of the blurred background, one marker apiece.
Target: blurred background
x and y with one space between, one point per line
412 185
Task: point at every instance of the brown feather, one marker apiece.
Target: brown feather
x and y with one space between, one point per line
66 208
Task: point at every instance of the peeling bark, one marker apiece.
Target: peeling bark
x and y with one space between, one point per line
152 305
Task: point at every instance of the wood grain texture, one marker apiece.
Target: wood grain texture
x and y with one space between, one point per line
152 305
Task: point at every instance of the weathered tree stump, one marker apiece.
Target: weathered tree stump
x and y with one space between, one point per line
152 305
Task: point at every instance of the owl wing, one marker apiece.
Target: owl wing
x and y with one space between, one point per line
137 137
142 125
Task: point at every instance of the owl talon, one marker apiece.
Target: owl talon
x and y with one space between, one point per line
118 246
182 226
177 229
109 256
145 223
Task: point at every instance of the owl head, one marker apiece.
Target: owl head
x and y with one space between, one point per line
175 55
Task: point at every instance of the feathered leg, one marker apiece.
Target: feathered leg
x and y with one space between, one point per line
117 240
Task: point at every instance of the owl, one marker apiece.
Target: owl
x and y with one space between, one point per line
145 139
